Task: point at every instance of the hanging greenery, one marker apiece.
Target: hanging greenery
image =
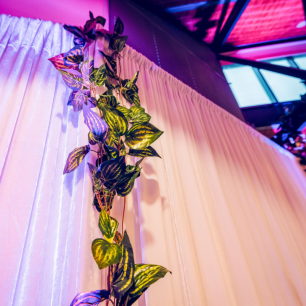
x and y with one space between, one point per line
118 128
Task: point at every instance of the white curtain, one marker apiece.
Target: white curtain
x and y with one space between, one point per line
224 209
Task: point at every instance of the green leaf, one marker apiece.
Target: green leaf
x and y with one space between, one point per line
125 111
105 253
111 152
91 139
138 115
111 61
118 42
110 171
144 277
126 182
131 96
118 238
115 119
124 275
110 72
108 226
111 138
142 135
106 196
149 151
108 100
99 76
97 183
119 27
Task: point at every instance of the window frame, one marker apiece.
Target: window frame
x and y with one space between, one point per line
268 90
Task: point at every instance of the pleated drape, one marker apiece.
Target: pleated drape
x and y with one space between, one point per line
45 218
224 209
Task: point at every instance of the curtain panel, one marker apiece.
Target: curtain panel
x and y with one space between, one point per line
224 209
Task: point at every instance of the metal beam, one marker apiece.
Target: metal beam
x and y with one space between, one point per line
221 19
294 72
231 22
304 5
267 43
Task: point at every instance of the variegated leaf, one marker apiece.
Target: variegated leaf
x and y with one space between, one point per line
108 226
105 253
144 277
119 27
86 70
131 96
77 99
75 73
112 62
124 275
125 111
115 119
74 56
110 72
118 238
74 30
58 62
126 182
97 126
111 152
112 169
75 158
91 139
138 115
146 152
90 298
118 42
106 199
99 76
142 135
72 81
108 100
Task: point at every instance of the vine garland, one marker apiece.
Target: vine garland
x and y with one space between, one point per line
116 130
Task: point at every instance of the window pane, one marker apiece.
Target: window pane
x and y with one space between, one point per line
301 61
245 86
280 62
284 87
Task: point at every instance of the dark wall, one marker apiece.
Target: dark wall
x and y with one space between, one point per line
187 59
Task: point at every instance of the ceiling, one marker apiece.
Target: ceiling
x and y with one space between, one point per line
259 22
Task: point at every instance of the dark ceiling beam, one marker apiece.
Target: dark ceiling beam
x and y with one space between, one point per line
304 5
221 19
294 72
230 23
266 43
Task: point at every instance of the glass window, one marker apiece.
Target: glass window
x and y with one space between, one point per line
284 87
245 86
301 61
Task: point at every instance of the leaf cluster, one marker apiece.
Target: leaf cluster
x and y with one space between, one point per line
118 126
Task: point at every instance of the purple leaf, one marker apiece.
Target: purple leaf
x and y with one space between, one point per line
96 125
91 102
93 169
74 72
72 82
74 56
75 158
90 298
78 98
74 30
58 62
86 69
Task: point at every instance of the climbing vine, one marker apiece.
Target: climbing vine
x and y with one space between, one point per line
118 126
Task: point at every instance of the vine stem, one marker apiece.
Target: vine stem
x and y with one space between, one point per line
123 213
